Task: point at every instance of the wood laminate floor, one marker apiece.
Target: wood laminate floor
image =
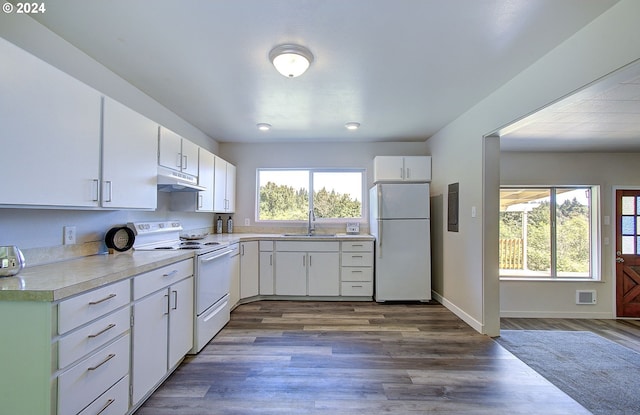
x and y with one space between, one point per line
285 357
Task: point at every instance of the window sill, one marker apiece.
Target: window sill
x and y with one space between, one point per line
549 279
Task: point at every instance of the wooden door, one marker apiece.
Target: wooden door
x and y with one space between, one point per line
628 253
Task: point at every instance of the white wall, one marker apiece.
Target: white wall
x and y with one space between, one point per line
553 298
36 228
249 157
466 269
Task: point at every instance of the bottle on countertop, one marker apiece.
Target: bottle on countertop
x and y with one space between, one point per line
230 225
219 225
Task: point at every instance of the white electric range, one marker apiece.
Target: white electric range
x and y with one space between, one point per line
212 273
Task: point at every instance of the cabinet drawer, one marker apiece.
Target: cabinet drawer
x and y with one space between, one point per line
357 246
364 289
115 401
303 246
357 259
157 279
266 245
86 307
83 341
84 382
357 274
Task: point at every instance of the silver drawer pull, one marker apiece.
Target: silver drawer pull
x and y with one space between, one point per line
108 404
111 356
109 297
354 245
104 330
170 274
356 270
356 256
356 286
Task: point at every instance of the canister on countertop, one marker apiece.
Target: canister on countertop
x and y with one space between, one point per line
219 225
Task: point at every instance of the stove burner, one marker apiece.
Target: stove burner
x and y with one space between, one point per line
212 243
190 243
189 247
163 247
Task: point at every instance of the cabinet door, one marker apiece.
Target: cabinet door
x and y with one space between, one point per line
180 320
189 157
129 149
231 188
266 273
388 168
170 148
324 273
206 165
150 334
291 273
249 269
220 186
417 168
50 134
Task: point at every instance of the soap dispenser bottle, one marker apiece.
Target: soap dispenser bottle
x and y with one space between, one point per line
230 225
219 225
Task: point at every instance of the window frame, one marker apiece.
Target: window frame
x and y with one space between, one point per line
311 171
594 236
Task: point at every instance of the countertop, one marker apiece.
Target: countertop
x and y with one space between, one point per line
59 280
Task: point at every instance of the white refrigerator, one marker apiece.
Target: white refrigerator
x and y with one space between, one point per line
399 219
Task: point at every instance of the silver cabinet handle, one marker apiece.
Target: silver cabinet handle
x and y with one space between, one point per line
356 256
309 260
96 182
271 259
111 356
104 330
179 160
408 173
184 166
175 300
171 274
109 184
401 173
304 260
104 408
109 297
200 201
168 305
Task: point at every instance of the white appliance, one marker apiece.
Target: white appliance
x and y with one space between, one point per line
212 274
399 218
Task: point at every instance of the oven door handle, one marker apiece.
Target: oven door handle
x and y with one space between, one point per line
217 256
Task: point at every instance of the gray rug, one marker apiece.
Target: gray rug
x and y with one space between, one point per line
601 375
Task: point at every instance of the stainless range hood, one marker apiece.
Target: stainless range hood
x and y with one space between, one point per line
173 181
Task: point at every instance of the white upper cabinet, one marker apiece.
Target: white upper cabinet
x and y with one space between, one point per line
50 134
225 186
206 165
177 153
402 169
129 178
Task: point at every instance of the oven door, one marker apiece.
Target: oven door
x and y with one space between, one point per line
213 278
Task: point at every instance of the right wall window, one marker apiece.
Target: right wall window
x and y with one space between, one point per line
548 232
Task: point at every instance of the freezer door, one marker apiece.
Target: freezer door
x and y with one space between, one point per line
403 260
402 201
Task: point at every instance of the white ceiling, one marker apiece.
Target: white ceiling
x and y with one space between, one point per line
401 68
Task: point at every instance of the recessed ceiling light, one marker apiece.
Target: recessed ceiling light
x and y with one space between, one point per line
263 126
352 125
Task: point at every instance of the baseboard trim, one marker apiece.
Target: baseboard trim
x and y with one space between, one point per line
556 314
475 324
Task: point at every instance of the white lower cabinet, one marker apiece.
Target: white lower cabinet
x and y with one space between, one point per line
266 268
162 326
307 268
249 284
234 290
115 401
86 381
356 273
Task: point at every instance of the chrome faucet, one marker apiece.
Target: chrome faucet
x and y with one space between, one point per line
312 216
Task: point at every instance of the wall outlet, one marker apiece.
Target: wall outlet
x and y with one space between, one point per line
69 235
247 222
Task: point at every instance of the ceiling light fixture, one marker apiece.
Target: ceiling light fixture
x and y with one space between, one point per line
291 60
263 126
352 125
